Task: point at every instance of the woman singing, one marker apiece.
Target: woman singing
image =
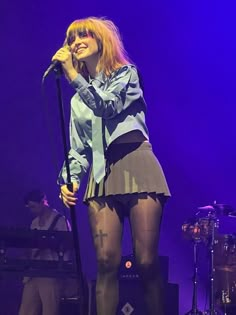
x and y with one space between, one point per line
108 132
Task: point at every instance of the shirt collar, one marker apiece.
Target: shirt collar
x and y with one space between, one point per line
100 78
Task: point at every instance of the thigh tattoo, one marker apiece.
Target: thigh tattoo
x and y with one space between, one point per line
101 236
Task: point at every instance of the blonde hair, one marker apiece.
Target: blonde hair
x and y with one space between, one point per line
112 52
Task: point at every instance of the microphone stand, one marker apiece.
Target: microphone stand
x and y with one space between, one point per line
75 234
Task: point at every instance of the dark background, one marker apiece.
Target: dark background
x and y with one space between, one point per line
186 53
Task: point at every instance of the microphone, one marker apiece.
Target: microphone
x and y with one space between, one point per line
55 64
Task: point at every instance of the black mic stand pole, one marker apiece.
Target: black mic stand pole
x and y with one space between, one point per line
81 284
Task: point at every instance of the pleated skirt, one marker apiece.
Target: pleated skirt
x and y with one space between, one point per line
131 168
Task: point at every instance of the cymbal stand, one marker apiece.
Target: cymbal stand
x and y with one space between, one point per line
213 222
194 310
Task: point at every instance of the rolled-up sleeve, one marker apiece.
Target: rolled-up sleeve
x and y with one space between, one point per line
121 91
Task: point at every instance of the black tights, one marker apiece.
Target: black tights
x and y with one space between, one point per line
106 219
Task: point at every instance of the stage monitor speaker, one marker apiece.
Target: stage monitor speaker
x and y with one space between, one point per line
128 269
131 300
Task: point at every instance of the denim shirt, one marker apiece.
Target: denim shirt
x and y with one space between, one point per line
117 101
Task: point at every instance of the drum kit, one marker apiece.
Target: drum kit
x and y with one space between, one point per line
204 229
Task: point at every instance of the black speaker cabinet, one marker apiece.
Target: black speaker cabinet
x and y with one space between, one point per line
128 269
132 301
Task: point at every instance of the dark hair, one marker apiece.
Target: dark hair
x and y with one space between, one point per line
34 195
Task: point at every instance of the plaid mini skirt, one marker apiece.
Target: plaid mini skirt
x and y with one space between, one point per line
131 168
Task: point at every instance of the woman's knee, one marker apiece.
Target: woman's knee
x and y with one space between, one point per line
147 265
108 262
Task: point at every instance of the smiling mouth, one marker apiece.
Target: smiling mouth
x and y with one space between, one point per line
80 50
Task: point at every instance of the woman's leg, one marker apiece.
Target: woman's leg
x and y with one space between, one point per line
106 228
145 220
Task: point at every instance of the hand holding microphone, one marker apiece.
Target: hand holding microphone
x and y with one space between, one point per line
63 57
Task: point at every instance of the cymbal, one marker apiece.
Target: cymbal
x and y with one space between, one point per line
208 208
231 268
219 209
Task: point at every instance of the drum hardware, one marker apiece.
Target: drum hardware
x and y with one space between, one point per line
217 209
194 310
204 229
211 245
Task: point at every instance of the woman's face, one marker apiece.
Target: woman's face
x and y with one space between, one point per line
83 46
